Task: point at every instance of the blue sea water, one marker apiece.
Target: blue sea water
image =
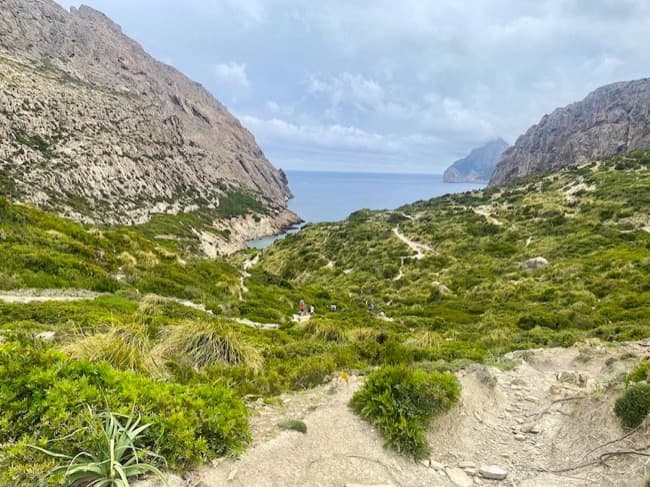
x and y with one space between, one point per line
332 196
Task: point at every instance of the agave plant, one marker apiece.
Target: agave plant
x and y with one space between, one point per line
115 457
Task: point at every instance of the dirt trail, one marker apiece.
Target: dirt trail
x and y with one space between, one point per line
420 249
484 211
545 414
25 296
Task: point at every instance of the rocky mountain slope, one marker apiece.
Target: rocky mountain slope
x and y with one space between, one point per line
613 119
95 128
478 165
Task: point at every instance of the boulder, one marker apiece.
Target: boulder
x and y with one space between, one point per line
493 472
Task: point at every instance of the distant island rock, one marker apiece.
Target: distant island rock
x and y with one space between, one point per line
614 118
478 166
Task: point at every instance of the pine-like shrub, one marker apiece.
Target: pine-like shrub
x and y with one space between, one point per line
401 402
633 407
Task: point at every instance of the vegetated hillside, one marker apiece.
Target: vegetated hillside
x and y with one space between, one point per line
466 287
613 119
478 165
432 286
93 127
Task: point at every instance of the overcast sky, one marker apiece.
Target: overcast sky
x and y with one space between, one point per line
380 85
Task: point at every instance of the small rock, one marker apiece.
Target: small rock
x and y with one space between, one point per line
426 462
436 465
532 399
465 465
232 475
535 263
493 472
459 478
520 437
519 421
531 428
46 336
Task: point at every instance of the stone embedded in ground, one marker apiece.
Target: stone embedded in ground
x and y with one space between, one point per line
535 263
532 428
46 336
436 465
493 472
459 478
466 464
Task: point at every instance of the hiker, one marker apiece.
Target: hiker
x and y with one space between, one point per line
302 307
332 307
311 310
371 307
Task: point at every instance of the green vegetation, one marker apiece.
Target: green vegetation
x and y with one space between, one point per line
633 407
293 425
44 393
640 373
138 348
401 402
114 457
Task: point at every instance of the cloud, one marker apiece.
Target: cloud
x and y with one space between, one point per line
355 89
415 81
232 74
333 137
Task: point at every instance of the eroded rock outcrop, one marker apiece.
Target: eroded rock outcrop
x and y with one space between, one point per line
613 119
479 164
93 127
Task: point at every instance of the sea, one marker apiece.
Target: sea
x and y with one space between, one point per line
332 196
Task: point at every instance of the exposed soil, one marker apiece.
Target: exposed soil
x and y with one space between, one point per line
538 421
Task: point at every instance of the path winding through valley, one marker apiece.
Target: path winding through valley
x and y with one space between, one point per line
551 412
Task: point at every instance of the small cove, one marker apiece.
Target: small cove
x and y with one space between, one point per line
331 196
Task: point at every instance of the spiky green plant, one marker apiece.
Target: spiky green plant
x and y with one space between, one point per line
124 348
114 456
202 343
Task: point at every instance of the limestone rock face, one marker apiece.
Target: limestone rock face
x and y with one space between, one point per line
478 166
613 119
95 128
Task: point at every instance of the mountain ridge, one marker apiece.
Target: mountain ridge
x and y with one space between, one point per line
478 165
612 119
96 129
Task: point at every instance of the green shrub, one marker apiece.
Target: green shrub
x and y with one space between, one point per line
43 392
633 407
293 425
640 373
202 343
401 402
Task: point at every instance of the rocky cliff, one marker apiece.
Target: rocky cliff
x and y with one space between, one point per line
95 128
478 166
613 119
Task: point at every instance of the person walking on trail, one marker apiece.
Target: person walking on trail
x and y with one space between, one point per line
302 307
311 310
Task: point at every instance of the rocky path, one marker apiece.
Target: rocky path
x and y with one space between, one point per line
26 296
534 424
420 249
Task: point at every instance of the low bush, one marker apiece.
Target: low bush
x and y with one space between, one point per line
400 402
201 343
633 407
640 373
43 392
293 425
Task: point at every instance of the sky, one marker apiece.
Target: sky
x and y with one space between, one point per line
386 86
